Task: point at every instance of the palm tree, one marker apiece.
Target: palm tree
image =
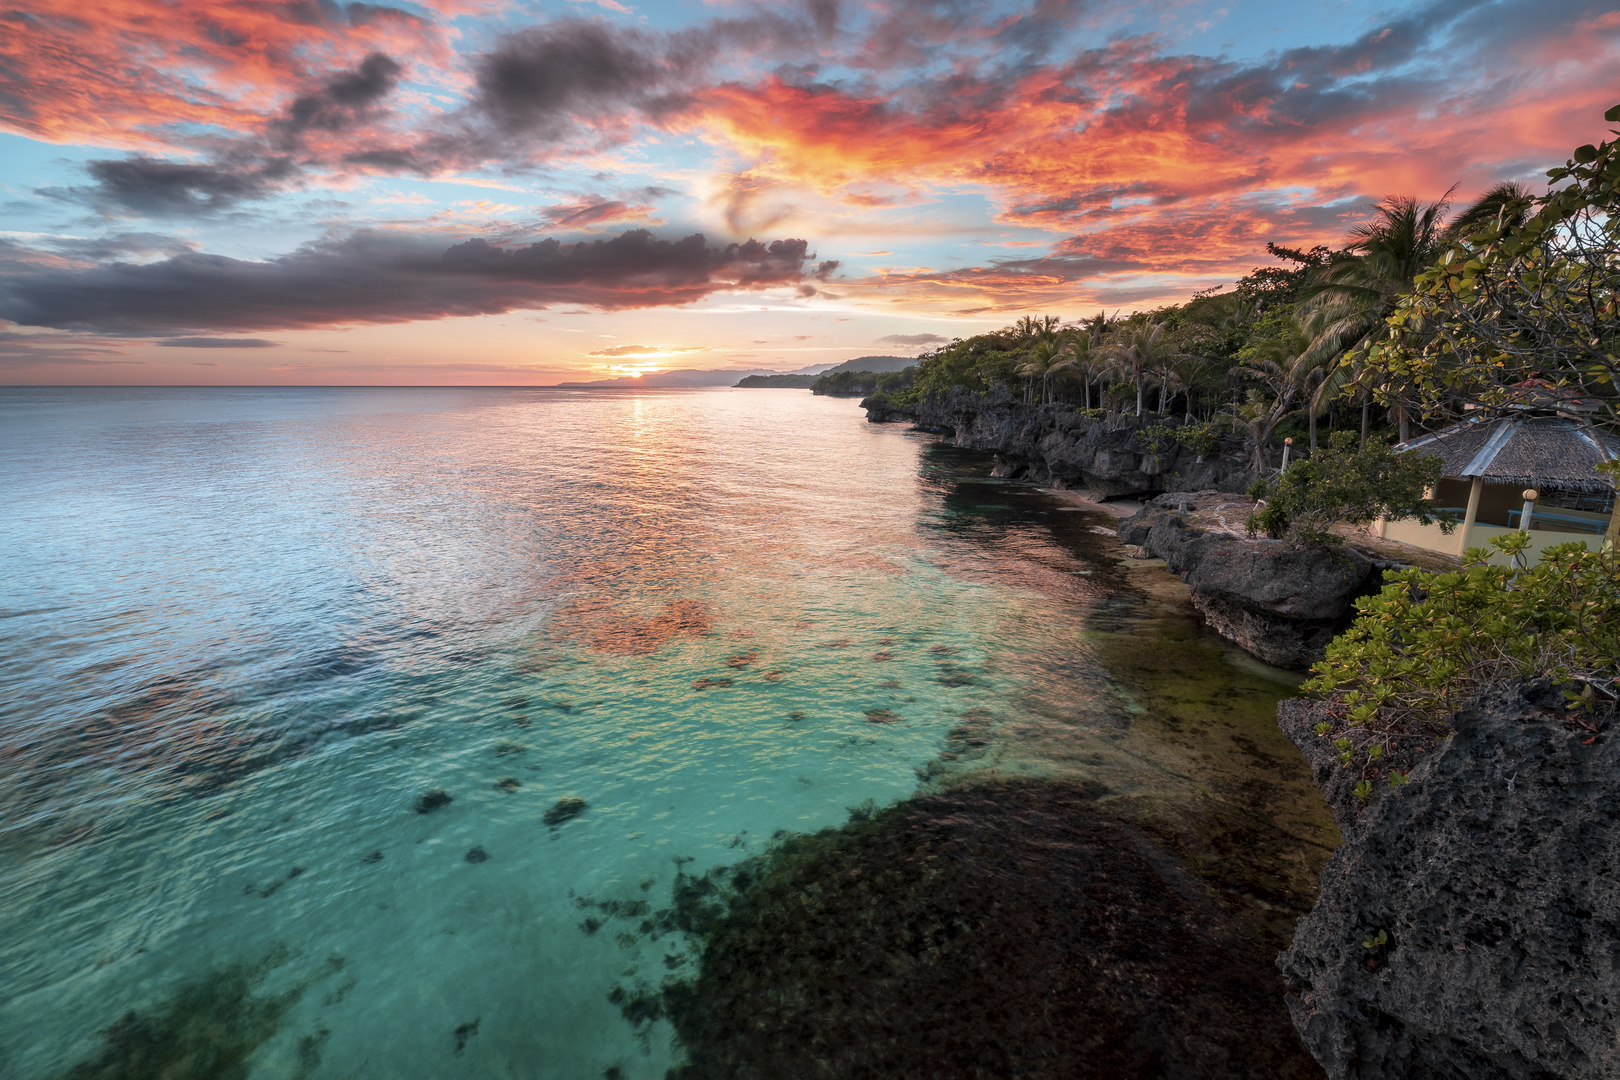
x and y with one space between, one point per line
1140 350
1353 295
1194 372
1289 378
1028 328
1506 202
1072 358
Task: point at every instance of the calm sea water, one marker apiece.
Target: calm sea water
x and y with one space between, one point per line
246 631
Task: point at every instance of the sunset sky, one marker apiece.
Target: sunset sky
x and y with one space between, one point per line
460 191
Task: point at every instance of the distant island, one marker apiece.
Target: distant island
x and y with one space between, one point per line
695 377
806 380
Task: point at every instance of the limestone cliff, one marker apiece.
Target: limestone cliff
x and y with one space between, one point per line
1055 444
1494 877
1281 604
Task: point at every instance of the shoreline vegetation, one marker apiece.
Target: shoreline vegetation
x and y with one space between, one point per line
843 952
1460 717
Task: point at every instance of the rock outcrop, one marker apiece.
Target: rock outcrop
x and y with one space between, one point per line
1281 604
1055 444
1494 878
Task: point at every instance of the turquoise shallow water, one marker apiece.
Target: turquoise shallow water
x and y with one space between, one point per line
246 630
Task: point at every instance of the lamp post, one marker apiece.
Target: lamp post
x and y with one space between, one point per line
1288 444
1530 495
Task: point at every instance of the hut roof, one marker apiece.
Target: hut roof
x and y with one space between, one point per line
1551 452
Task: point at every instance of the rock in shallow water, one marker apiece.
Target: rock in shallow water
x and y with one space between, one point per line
988 932
1280 604
1494 877
433 800
564 810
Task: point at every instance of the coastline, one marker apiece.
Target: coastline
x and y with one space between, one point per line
1082 857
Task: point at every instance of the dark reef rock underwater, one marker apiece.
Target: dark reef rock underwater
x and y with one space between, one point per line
1280 604
1055 444
433 800
1013 929
564 810
1469 925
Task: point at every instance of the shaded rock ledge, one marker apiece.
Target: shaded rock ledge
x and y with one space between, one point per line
1056 445
1282 605
1495 877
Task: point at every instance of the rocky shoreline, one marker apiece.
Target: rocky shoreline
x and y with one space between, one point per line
1060 446
1469 925
1280 604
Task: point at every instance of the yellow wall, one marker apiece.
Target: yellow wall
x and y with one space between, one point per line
1430 536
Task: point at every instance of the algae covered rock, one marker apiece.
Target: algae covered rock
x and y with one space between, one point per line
1013 929
1278 603
1469 926
433 800
564 810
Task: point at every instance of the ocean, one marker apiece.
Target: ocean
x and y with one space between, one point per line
362 732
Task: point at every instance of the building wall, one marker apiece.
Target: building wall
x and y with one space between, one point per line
1430 537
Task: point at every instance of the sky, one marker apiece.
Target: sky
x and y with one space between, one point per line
303 192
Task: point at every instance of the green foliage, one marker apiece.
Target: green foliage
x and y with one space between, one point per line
1531 294
1374 941
1342 483
1430 640
977 363
1277 287
1201 437
862 383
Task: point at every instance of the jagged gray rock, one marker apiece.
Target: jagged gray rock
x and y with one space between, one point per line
1495 873
1281 604
1054 444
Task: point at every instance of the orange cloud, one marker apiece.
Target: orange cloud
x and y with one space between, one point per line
139 74
1182 165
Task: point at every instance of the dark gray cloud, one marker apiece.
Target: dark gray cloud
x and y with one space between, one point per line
153 187
373 277
910 339
140 245
545 81
218 343
347 99
254 167
541 80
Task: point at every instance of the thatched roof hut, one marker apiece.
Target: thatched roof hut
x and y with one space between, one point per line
1551 453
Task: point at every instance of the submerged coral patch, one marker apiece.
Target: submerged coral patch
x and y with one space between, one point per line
433 800
207 1031
1001 930
564 810
608 632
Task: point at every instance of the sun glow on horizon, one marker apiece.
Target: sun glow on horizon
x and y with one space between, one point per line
314 185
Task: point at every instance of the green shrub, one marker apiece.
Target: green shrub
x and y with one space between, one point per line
1429 641
1200 437
1342 483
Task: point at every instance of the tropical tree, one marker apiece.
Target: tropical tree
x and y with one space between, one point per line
1352 296
1287 369
1506 203
1073 358
1030 329
1192 373
1139 350
1047 352
1533 295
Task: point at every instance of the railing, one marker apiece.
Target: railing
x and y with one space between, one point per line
1559 521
